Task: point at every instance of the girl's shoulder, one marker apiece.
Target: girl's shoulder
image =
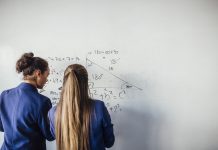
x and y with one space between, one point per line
97 103
52 110
98 106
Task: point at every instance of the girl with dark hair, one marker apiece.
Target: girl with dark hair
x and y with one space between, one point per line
23 111
78 122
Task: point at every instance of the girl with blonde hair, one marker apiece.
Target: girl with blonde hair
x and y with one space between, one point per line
79 122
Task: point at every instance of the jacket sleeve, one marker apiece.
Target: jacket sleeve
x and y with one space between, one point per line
1 126
43 120
108 132
51 118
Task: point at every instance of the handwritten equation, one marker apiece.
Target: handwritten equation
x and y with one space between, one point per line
104 84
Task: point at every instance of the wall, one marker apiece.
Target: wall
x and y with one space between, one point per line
153 63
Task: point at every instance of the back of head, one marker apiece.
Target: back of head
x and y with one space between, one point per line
73 110
27 64
80 74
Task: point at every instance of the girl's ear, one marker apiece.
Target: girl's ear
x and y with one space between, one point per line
37 73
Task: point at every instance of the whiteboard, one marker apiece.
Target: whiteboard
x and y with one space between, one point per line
153 63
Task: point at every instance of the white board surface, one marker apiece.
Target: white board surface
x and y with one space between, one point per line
153 63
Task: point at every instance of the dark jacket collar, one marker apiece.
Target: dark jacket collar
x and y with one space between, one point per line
27 86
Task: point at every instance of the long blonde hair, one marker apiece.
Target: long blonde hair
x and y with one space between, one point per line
73 112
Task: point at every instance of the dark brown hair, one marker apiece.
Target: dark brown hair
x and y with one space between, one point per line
28 64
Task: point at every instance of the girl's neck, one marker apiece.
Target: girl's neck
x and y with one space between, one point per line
31 82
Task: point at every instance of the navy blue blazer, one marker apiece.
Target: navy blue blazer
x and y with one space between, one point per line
23 118
101 129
